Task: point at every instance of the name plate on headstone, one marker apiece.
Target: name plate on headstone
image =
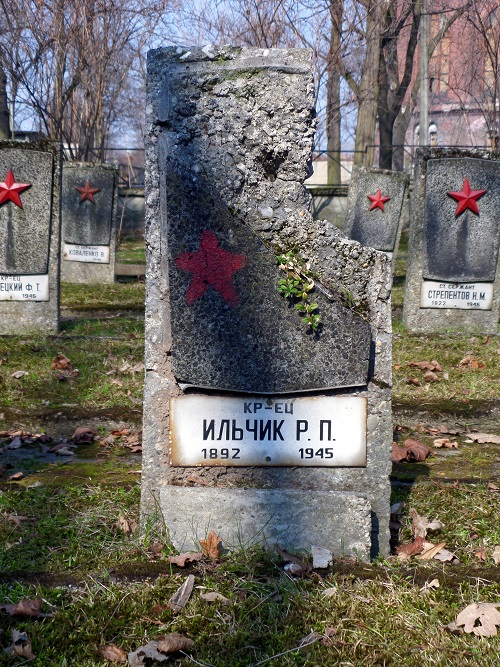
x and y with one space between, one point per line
24 288
97 254
326 431
466 296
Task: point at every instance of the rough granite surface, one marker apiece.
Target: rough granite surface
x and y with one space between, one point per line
29 237
242 121
88 223
376 228
445 246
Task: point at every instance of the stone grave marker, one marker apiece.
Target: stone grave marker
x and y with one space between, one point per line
257 424
88 223
453 275
29 238
375 205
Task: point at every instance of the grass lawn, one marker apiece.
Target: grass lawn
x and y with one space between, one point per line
61 524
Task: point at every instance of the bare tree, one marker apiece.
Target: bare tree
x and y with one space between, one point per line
70 62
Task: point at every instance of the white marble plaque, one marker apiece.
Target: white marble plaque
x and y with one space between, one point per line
24 288
466 296
323 431
96 254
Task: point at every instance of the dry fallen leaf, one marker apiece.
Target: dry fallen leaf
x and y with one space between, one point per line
472 363
446 443
483 438
432 551
63 368
329 592
431 377
426 365
421 524
213 597
479 618
405 551
23 608
147 652
295 568
414 381
21 645
184 559
128 526
15 476
175 642
481 554
19 374
180 598
212 545
430 586
112 653
83 435
493 487
495 554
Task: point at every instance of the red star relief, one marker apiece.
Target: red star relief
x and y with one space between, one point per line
10 190
378 200
211 266
87 192
467 198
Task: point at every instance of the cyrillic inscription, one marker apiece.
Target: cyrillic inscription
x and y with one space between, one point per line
215 430
466 296
24 288
97 254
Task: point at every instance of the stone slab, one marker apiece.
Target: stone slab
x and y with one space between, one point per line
464 247
296 520
433 211
30 237
230 135
25 232
87 224
376 228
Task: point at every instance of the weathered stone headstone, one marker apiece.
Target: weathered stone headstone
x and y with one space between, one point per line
375 208
88 223
453 276
29 238
255 425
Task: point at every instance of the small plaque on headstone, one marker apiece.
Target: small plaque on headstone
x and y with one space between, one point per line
97 254
256 431
469 296
24 288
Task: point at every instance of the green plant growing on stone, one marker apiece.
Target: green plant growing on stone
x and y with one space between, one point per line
297 286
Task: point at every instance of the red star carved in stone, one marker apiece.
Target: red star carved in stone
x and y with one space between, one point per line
378 200
467 198
211 266
87 192
10 190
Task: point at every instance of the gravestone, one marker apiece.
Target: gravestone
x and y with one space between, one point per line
256 425
453 275
29 238
88 223
375 208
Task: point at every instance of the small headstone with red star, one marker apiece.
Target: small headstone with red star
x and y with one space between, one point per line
88 223
375 208
29 239
454 271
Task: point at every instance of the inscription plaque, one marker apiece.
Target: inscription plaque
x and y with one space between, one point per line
326 431
24 288
96 254
466 296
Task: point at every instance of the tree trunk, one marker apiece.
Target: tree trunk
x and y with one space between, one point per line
368 88
4 106
333 138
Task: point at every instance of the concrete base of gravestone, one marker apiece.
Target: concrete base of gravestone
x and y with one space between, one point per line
434 320
89 223
36 163
293 519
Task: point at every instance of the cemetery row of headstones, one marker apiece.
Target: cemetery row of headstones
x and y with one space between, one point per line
267 404
35 249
